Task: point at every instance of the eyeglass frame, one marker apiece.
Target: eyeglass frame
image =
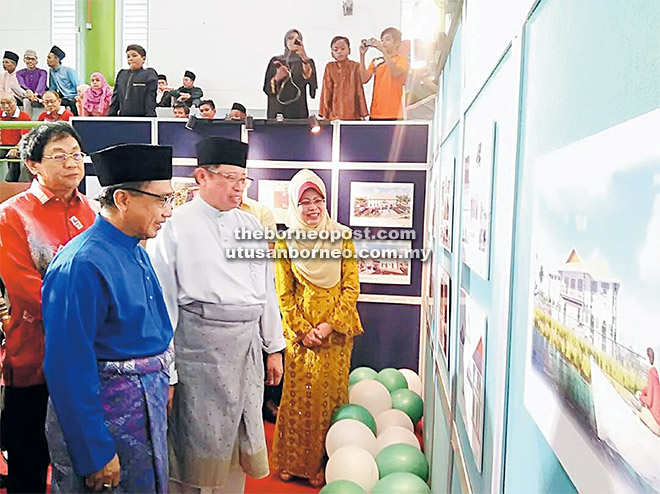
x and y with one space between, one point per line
247 180
66 157
318 202
166 199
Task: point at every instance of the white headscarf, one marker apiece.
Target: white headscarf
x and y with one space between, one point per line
326 272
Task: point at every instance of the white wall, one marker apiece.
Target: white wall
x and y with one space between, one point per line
23 28
229 43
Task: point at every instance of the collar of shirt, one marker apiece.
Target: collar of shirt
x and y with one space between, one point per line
16 114
114 234
60 111
44 194
210 210
57 69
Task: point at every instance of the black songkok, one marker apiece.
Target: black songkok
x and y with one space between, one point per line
132 163
11 56
221 151
239 107
57 51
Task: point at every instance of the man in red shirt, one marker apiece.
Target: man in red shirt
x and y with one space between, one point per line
34 225
11 137
54 111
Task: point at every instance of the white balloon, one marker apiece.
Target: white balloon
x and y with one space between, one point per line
350 432
392 418
414 381
372 395
352 463
397 435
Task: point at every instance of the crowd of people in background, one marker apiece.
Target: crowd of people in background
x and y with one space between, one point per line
289 79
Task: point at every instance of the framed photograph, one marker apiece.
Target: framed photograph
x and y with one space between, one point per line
591 378
384 262
275 195
382 204
185 189
477 195
444 297
471 369
446 203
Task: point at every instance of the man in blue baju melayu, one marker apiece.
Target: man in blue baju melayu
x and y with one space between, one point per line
108 334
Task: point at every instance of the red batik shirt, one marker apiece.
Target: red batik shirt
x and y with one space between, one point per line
34 225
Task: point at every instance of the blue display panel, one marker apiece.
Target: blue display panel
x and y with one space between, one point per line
396 143
390 338
184 141
274 141
418 179
101 133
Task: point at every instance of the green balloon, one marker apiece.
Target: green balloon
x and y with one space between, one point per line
360 374
401 483
402 458
343 487
350 386
356 412
392 379
409 402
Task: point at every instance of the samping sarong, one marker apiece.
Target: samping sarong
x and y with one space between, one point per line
134 398
216 422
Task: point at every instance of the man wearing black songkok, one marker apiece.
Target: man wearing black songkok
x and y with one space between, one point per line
188 94
223 319
8 80
135 87
62 79
108 335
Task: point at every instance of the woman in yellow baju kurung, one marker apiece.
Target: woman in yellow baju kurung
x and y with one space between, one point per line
318 300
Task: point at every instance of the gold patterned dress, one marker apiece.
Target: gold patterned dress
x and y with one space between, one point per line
315 379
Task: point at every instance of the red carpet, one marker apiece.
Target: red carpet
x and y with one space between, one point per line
272 484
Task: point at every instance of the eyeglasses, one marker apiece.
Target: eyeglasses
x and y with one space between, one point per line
63 157
165 200
319 202
232 178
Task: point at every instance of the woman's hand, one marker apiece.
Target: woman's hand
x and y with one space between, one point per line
282 71
312 339
324 330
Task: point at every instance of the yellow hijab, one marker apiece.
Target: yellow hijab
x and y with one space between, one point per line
326 272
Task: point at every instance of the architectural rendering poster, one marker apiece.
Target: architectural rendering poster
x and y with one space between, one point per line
384 262
275 195
382 204
594 307
477 191
443 295
447 202
471 369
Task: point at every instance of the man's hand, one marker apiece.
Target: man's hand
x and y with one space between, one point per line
106 478
170 400
363 49
324 330
378 44
274 369
313 338
13 153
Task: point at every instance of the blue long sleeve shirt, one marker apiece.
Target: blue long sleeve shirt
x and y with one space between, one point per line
64 80
101 301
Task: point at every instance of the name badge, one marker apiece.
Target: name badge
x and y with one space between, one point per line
135 84
76 222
